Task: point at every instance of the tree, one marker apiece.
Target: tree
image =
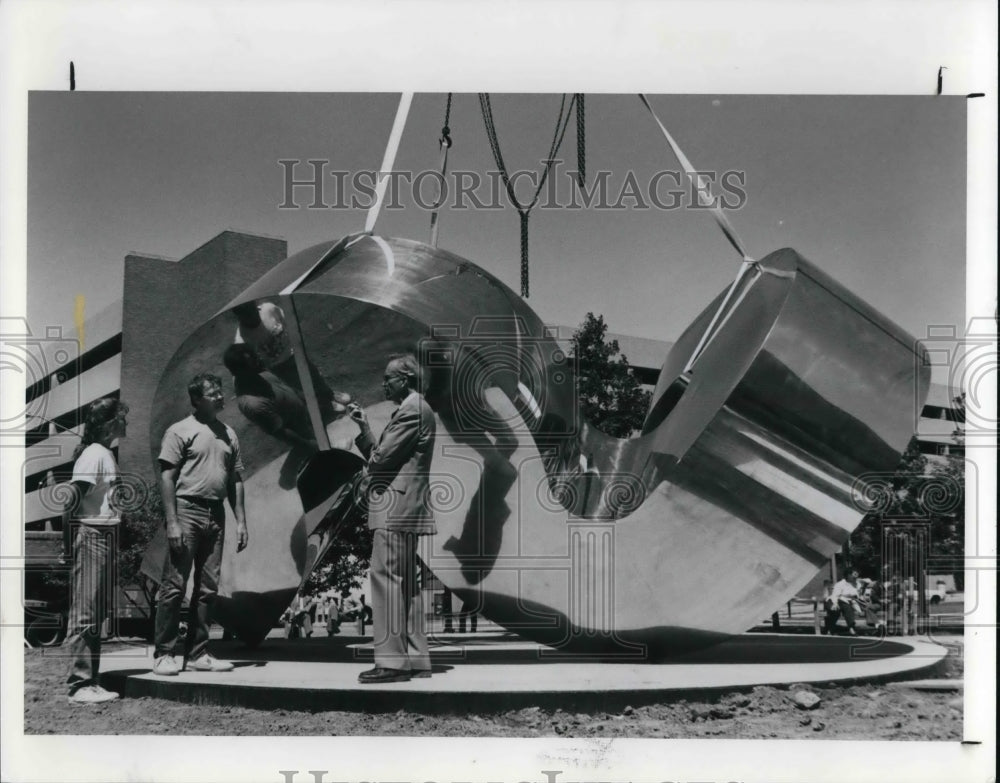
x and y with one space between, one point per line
138 525
610 396
896 500
950 530
347 560
932 491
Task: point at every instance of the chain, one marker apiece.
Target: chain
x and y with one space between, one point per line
446 131
581 142
562 123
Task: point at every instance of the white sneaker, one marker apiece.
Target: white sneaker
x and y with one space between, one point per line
166 666
206 663
92 694
108 695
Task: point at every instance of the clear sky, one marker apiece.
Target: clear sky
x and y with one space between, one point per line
871 189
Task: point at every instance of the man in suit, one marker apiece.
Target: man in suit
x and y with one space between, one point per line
395 487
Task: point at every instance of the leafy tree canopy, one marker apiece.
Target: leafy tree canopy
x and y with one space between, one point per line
346 562
921 490
610 396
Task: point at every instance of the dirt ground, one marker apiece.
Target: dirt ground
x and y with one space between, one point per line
857 712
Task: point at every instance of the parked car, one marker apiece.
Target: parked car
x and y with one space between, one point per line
933 595
936 594
47 589
44 623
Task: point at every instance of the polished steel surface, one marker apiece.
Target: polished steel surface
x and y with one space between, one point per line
748 476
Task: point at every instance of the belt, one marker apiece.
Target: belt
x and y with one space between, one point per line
203 502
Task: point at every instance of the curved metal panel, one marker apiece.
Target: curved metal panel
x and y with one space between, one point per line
741 485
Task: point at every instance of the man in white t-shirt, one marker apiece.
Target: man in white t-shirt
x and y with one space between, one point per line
91 512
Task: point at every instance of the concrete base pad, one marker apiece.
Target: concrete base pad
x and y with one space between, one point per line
498 671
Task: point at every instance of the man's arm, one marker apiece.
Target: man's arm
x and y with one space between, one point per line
168 490
234 489
365 440
398 441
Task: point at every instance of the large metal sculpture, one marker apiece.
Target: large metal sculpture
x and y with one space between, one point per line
749 474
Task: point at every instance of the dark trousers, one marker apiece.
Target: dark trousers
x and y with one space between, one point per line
400 635
89 604
202 529
288 371
448 613
446 610
467 612
303 625
847 611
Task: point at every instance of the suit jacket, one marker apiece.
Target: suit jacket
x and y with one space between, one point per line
397 475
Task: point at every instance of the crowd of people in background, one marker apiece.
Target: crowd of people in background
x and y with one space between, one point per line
888 605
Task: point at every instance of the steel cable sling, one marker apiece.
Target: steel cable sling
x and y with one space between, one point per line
750 270
562 122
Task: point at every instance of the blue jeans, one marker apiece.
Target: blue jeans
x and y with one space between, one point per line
203 525
89 604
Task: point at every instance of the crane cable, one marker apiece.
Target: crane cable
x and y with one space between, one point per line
749 265
523 210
